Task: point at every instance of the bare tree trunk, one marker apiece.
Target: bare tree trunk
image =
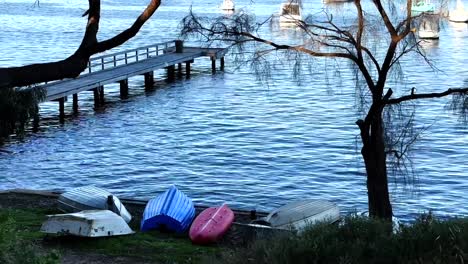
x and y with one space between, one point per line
72 66
373 152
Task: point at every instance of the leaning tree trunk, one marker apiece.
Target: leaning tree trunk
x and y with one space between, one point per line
373 152
72 66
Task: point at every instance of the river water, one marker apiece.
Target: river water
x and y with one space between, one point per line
227 137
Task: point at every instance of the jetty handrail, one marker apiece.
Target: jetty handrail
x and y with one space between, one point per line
112 60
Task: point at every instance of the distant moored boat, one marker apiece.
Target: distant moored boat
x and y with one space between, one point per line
172 211
228 5
422 6
290 12
429 26
459 14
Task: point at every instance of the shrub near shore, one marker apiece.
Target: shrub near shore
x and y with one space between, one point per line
362 240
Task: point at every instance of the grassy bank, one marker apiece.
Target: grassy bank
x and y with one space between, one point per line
360 240
356 240
19 230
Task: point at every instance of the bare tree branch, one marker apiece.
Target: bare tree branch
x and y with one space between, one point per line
72 66
386 19
415 96
131 31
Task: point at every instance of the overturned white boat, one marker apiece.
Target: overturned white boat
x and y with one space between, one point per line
91 223
91 198
301 214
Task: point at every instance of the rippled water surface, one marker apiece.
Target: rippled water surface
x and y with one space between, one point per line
226 137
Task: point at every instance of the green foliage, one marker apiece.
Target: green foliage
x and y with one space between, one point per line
17 107
13 249
362 240
146 246
152 246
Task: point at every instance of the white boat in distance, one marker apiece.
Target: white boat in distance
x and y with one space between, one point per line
429 26
228 5
92 198
459 15
92 223
298 215
290 12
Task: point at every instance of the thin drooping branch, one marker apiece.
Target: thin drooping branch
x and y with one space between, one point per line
299 48
372 57
414 96
360 48
405 50
239 33
72 66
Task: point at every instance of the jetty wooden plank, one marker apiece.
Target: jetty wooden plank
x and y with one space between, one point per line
118 67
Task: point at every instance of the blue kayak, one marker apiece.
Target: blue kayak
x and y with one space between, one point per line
172 211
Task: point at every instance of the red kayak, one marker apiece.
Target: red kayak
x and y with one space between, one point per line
211 224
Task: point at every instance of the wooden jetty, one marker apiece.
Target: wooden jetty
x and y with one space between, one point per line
118 67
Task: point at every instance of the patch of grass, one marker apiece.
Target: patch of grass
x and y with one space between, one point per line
16 242
152 246
362 240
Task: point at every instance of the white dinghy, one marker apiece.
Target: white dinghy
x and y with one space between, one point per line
91 223
299 215
91 198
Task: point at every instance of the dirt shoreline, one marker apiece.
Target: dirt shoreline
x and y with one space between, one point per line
39 199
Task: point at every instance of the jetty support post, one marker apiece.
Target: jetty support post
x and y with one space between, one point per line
62 109
187 68
149 80
171 73
123 89
96 97
75 103
36 121
213 65
222 64
179 70
101 95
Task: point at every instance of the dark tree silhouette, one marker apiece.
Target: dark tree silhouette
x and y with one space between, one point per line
352 42
72 66
19 106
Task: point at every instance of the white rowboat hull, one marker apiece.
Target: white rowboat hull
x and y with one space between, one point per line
91 223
